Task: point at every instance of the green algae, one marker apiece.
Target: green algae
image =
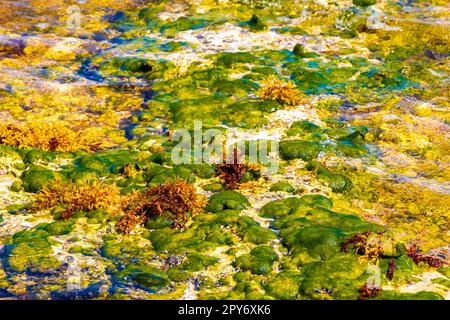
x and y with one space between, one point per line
337 278
259 261
146 277
421 295
31 251
227 199
298 149
284 286
36 178
282 186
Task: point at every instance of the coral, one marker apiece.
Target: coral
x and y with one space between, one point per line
49 137
177 198
284 92
73 198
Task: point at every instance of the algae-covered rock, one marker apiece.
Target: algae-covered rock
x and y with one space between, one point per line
184 23
280 208
31 251
82 177
197 262
203 170
277 208
303 127
282 186
35 156
213 187
255 23
158 222
364 3
11 160
299 50
313 243
337 278
299 149
258 235
421 295
284 286
259 261
336 181
227 199
16 186
37 178
144 276
94 163
59 228
233 59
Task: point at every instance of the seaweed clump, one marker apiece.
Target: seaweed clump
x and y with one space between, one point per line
283 92
371 245
232 173
177 200
414 253
75 198
48 137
